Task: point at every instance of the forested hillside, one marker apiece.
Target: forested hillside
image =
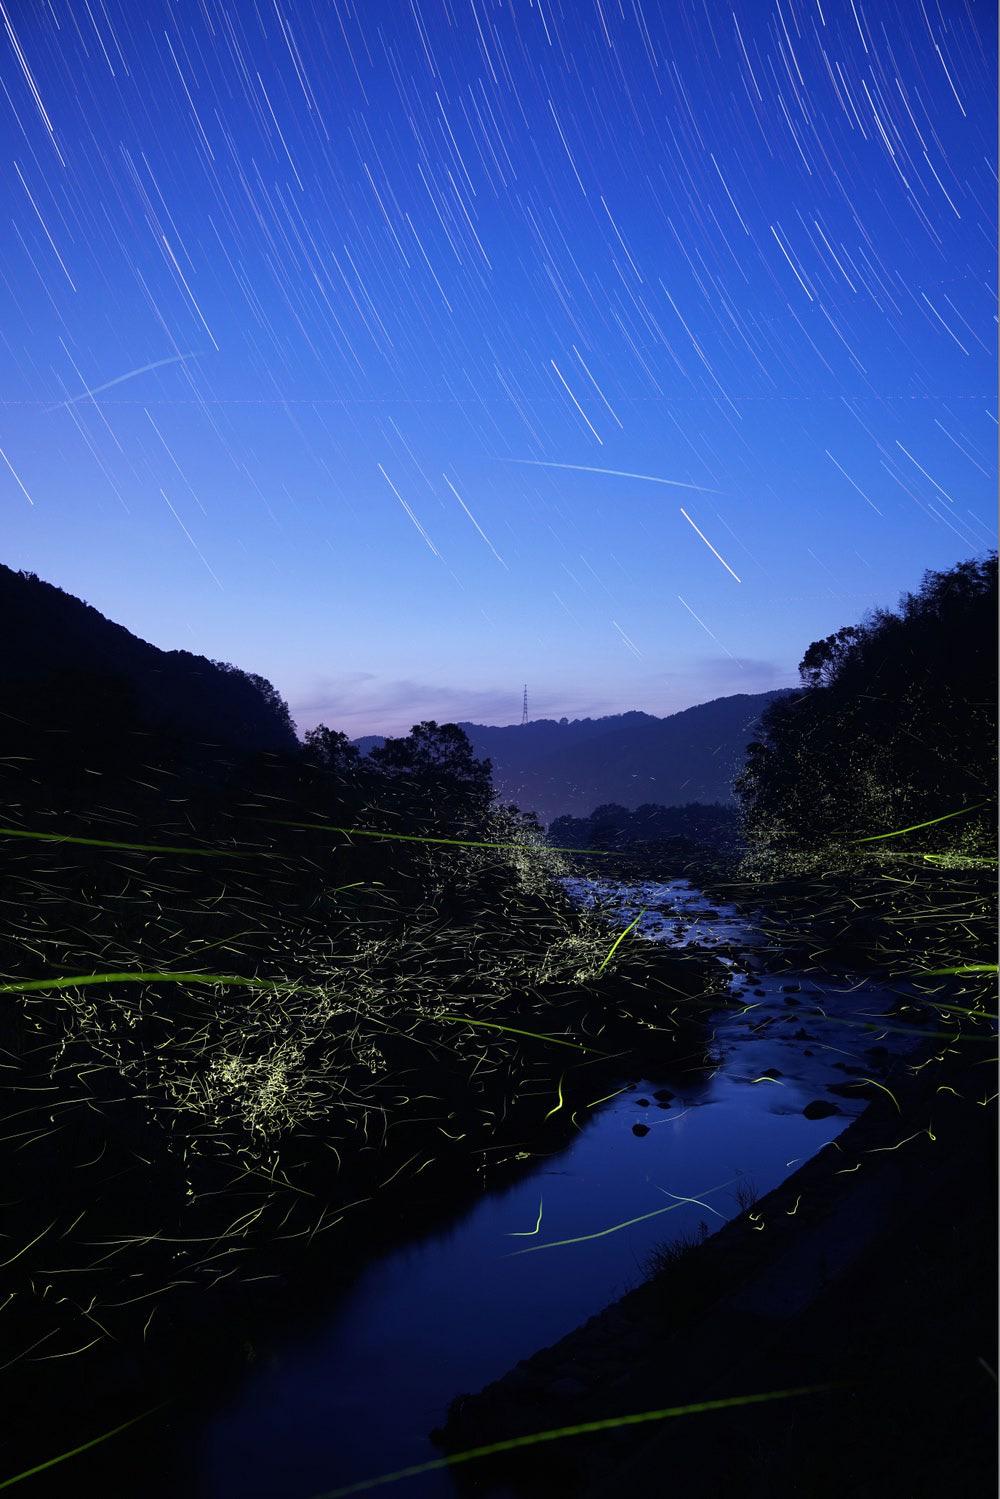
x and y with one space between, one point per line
895 728
570 767
68 668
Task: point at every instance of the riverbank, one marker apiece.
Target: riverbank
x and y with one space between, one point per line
905 913
193 1289
328 1328
868 1270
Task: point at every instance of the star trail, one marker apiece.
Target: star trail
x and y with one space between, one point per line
375 346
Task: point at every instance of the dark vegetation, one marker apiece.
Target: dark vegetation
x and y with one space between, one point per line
868 816
306 1017
252 1010
693 840
896 726
869 809
569 766
68 669
869 799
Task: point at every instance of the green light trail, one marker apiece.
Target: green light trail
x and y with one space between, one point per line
602 1233
80 980
962 812
494 1025
324 827
620 939
142 848
582 1428
51 1462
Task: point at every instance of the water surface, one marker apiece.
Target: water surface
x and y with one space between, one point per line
358 1395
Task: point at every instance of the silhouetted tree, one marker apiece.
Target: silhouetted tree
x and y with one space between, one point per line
528 821
607 823
896 723
330 749
695 825
274 705
823 659
438 762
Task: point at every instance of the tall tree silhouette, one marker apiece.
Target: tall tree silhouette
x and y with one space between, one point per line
330 749
437 762
896 724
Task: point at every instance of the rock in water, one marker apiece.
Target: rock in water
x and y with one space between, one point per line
820 1108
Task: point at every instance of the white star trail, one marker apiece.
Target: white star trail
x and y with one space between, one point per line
711 548
473 520
613 473
409 512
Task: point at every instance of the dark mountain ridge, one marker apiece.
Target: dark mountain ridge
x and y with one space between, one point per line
63 655
570 767
68 667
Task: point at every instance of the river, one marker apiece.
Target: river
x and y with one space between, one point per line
445 1314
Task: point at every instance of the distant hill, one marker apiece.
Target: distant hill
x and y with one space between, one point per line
54 645
571 767
65 664
685 830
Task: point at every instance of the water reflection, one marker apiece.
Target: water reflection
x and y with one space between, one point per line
359 1395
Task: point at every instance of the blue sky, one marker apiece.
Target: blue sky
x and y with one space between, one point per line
317 320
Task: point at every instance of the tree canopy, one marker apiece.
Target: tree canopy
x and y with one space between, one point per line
330 749
896 723
438 763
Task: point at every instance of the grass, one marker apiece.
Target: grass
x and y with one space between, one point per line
666 1257
746 1195
676 1262
211 1065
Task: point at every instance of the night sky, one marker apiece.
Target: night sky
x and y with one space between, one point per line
406 351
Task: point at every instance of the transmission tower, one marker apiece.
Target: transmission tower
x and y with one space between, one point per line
524 706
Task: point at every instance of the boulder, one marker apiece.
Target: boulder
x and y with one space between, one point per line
820 1108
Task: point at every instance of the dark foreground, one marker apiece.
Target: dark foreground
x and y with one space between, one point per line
870 1273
